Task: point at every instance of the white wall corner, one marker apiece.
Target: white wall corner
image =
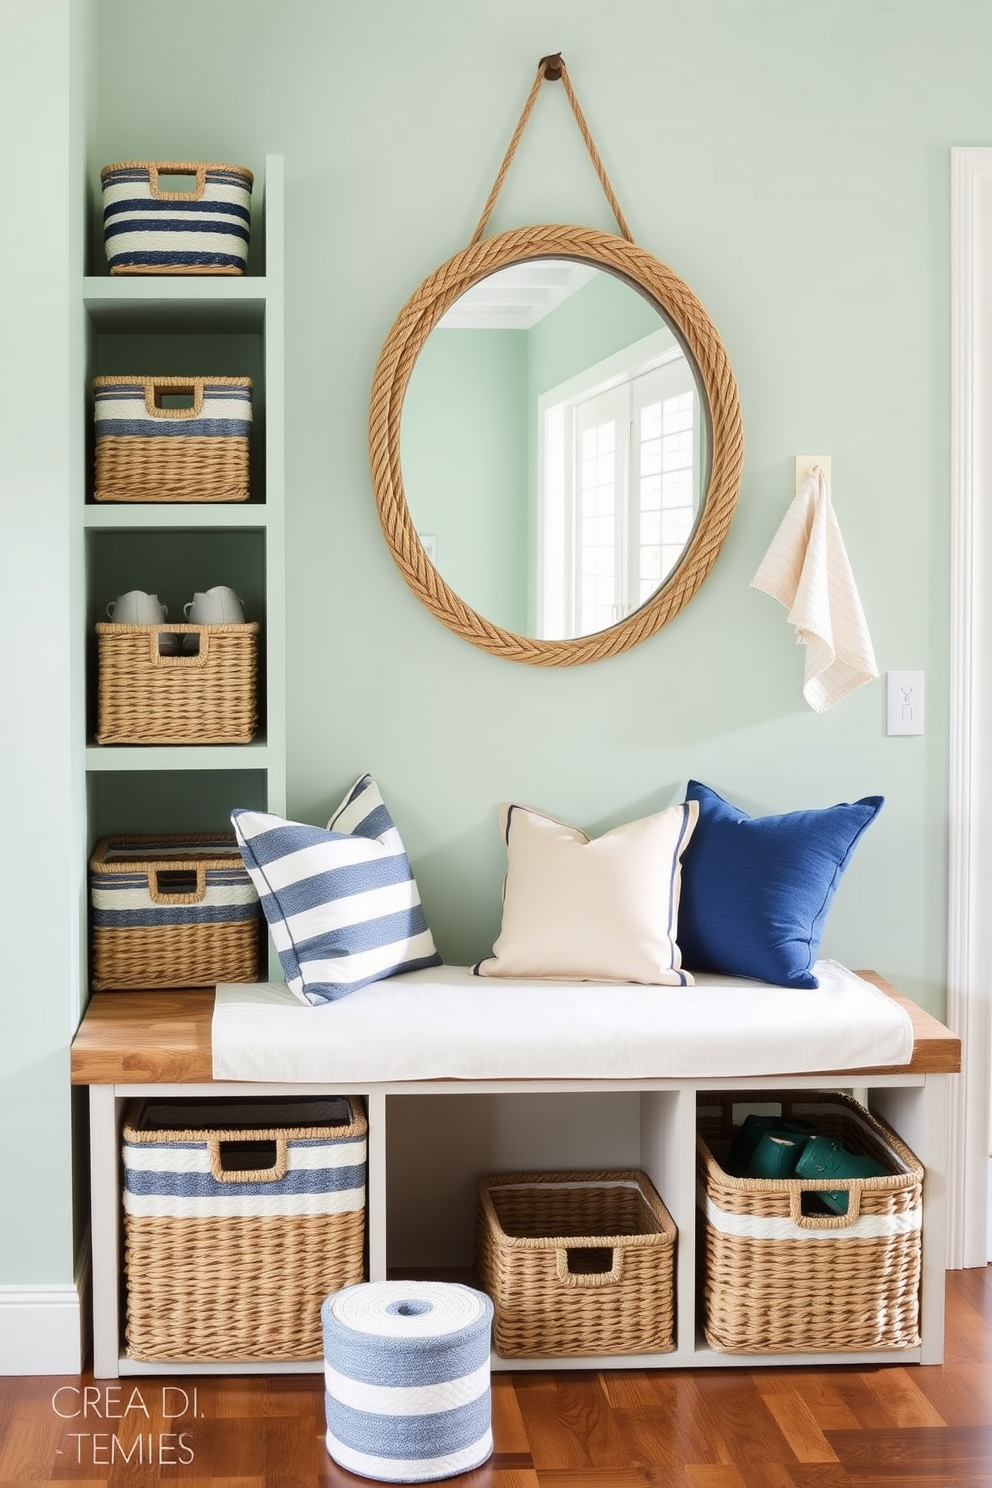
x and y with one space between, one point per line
969 1008
45 1329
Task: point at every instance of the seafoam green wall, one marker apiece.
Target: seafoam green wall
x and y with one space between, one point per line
41 873
790 160
602 317
464 446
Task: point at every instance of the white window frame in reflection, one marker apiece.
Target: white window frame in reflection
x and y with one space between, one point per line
596 566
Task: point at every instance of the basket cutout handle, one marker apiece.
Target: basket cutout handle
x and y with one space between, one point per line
172 885
180 659
230 1157
156 390
177 168
584 1258
826 1221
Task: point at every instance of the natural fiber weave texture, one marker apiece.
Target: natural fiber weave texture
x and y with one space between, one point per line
235 1288
174 956
552 68
238 1287
144 934
200 453
187 469
778 1281
148 230
147 698
576 1263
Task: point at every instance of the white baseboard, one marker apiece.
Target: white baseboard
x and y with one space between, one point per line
45 1329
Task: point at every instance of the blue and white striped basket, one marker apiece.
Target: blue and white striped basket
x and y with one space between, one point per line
172 438
407 1379
148 230
172 911
240 1218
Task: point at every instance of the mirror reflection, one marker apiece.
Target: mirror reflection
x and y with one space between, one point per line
554 448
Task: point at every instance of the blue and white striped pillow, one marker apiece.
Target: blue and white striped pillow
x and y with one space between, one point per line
342 903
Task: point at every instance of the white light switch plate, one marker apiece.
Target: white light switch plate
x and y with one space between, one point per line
904 702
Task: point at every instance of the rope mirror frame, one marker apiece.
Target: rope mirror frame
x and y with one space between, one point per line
685 314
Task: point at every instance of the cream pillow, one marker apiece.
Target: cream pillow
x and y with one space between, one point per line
601 909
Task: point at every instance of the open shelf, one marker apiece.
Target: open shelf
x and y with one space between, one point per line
146 757
243 516
182 303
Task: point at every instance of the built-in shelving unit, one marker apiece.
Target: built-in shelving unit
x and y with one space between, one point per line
177 325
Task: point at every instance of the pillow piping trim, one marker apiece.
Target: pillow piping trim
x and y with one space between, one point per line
361 785
673 945
680 971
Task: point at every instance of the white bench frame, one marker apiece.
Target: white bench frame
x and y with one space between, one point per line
914 1105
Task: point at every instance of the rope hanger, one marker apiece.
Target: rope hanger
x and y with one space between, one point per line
553 68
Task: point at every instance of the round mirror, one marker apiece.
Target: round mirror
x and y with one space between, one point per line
556 444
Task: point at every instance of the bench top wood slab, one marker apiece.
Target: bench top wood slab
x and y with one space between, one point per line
153 1038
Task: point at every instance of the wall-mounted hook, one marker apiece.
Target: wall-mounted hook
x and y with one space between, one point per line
806 465
552 66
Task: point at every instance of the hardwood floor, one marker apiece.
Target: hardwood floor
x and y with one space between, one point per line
889 1427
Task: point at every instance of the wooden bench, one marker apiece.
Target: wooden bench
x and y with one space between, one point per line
135 1044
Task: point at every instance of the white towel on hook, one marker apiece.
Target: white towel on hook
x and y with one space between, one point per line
807 569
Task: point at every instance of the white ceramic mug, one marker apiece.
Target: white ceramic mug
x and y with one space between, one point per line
218 606
137 608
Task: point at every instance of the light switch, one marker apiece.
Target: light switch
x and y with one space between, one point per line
904 702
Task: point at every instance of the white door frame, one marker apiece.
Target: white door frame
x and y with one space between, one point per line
969 965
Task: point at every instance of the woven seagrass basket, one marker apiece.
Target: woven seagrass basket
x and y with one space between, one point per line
149 229
150 451
240 1217
576 1263
171 911
145 697
776 1279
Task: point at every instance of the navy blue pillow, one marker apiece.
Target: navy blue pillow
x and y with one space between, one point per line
756 890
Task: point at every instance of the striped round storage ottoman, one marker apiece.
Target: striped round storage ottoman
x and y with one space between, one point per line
406 1368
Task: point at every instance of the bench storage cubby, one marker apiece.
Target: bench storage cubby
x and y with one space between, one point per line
239 1218
776 1275
576 1263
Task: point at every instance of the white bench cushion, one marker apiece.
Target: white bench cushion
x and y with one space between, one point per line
444 1023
